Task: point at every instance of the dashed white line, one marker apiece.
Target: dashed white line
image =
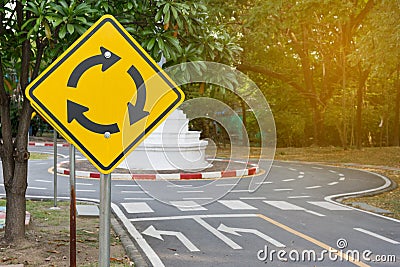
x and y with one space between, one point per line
133 192
333 183
313 187
293 169
84 184
43 181
302 173
138 198
294 197
183 192
225 184
267 182
283 205
37 188
342 178
283 189
288 180
197 198
341 174
85 190
300 176
377 236
126 185
176 185
314 213
332 171
239 191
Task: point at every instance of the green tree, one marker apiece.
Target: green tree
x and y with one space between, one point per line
304 44
34 32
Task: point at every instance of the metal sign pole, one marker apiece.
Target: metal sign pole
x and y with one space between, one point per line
72 219
105 209
55 167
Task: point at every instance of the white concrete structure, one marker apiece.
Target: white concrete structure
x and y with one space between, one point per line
170 147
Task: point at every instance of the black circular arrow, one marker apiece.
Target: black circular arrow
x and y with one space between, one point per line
136 111
75 112
106 59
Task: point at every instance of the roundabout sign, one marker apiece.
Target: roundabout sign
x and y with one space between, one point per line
99 96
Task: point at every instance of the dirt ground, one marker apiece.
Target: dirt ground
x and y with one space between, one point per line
47 240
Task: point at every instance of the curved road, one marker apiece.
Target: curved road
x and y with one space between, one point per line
289 221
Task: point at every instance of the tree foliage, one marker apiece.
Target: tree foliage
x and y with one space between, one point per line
33 33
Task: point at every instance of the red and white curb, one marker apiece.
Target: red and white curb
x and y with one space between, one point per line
251 170
47 144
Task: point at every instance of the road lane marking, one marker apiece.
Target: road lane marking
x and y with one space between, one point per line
342 179
333 183
302 173
37 188
186 217
234 231
151 231
137 207
377 236
314 241
138 198
267 182
133 192
147 249
187 205
294 197
332 171
313 187
217 233
177 185
300 176
225 184
252 198
197 198
43 181
292 169
283 205
183 192
85 190
288 180
126 185
84 184
328 205
283 189
315 213
239 191
236 205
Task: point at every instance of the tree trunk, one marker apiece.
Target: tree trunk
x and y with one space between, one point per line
396 131
360 96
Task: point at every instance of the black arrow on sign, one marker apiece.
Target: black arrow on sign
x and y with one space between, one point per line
136 111
106 59
75 112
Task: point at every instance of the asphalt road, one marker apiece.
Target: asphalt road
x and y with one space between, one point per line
289 221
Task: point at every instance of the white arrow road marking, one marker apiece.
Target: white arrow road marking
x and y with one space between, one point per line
234 231
151 231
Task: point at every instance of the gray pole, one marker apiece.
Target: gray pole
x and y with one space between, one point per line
105 209
55 167
72 212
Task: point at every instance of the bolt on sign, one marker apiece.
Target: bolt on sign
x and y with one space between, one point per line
104 94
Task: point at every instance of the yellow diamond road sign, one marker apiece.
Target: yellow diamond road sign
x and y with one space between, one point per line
104 94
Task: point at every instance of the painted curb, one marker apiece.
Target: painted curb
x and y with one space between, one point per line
47 144
252 169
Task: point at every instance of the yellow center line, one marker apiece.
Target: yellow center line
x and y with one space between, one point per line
313 240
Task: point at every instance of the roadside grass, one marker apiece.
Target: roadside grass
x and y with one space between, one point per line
36 156
47 239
